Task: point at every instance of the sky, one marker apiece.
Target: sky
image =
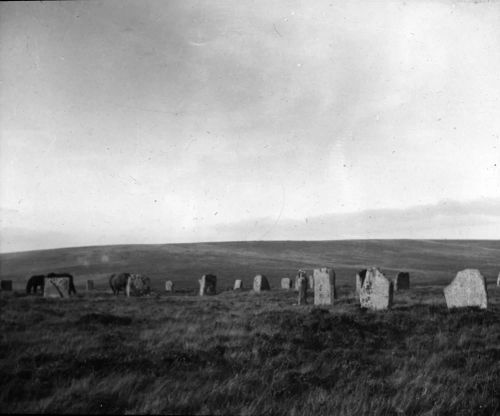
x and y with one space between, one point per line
127 122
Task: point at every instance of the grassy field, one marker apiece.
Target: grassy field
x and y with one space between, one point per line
246 353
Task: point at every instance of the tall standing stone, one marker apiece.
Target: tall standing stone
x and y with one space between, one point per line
324 286
303 285
360 278
468 288
90 285
377 291
238 285
286 283
208 284
6 285
138 285
56 287
402 281
169 286
260 283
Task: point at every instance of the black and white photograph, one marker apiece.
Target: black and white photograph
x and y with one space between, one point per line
252 207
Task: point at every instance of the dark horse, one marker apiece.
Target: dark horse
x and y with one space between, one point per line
118 282
39 281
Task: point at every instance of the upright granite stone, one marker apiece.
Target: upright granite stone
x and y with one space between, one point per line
324 286
303 285
169 286
402 281
300 273
360 278
377 291
6 285
286 283
238 285
208 284
260 283
56 287
468 288
138 285
90 285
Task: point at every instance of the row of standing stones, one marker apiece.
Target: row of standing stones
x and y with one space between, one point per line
375 291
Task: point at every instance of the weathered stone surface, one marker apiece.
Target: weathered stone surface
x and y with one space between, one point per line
402 281
303 285
56 287
208 284
324 286
468 288
169 286
300 273
238 285
377 291
260 283
138 285
6 285
286 283
90 285
360 278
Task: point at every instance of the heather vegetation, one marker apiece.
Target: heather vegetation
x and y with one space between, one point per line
247 353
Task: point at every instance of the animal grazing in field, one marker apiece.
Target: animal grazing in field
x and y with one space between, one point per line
118 282
35 282
71 284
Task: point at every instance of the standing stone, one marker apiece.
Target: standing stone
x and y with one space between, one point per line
498 280
360 278
377 291
468 288
310 282
402 281
300 273
138 285
286 283
56 287
208 284
260 283
6 285
90 285
303 284
324 286
169 286
238 285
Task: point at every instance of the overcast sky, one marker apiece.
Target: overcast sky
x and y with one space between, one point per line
179 121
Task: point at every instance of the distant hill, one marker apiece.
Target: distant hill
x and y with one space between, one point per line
428 261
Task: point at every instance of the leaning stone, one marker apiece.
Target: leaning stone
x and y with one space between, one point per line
90 285
6 285
286 283
238 285
377 291
360 278
56 287
138 285
324 286
260 283
169 286
303 285
402 281
468 288
208 284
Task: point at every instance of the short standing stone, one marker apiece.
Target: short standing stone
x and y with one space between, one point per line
90 285
324 286
138 285
260 283
377 291
56 287
303 284
169 286
402 281
360 278
468 288
286 283
6 285
208 284
238 285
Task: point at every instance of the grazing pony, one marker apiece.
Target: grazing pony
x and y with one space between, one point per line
72 288
118 282
35 282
